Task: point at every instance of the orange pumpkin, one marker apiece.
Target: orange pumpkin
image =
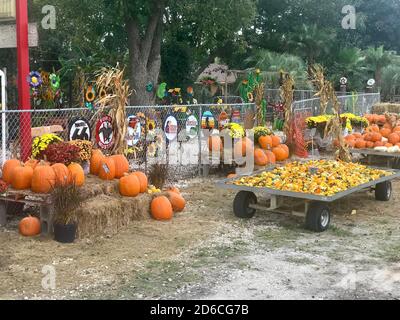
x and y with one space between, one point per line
77 174
32 163
271 157
349 137
379 144
369 117
63 176
396 129
357 135
374 128
242 147
30 226
361 144
366 137
387 125
276 141
161 208
95 161
175 189
265 142
129 185
177 201
388 145
385 132
107 169
22 177
349 143
280 154
285 147
43 179
381 119
260 159
8 167
231 176
369 144
144 182
394 138
214 144
121 165
375 136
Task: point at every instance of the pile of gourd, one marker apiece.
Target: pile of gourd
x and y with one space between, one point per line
40 176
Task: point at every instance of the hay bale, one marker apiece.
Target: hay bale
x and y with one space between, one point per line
381 108
107 215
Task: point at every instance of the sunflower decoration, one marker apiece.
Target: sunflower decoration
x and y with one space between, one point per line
152 150
54 81
90 95
45 77
151 125
34 79
250 97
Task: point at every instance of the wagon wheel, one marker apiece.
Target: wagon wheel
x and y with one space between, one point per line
318 217
241 205
383 191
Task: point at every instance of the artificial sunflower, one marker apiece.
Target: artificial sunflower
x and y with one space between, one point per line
152 150
151 125
90 94
34 79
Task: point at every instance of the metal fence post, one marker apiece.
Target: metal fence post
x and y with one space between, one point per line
199 138
3 116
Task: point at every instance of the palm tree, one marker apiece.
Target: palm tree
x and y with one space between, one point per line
377 59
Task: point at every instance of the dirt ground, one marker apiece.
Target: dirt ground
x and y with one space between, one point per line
206 253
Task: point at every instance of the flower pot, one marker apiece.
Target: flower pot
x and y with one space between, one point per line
65 233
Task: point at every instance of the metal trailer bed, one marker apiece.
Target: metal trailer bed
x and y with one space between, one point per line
392 159
313 207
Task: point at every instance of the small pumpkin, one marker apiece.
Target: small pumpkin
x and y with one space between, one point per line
214 144
177 201
280 154
376 136
242 147
361 144
22 177
63 176
77 174
394 138
32 163
174 189
232 176
161 208
8 167
29 226
265 142
379 144
385 132
260 158
144 182
271 157
43 179
129 185
369 144
107 169
276 141
121 165
95 161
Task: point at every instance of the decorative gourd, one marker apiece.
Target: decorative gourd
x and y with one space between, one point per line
43 179
77 174
271 157
95 161
22 177
214 144
32 163
177 201
242 146
161 208
63 176
121 165
265 142
30 226
8 167
129 185
394 138
276 141
144 182
280 154
107 169
260 158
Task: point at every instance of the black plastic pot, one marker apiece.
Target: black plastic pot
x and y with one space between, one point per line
65 233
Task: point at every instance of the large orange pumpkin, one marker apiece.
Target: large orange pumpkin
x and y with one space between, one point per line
271 157
385 132
161 208
32 163
376 136
121 165
265 142
129 185
214 144
107 169
177 201
284 147
242 147
8 167
77 174
63 176
95 161
276 141
394 138
43 179
280 154
260 158
30 226
22 177
144 182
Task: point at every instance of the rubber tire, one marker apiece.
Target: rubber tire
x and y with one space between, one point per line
241 205
313 217
383 191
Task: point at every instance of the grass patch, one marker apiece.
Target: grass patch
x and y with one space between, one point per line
339 232
299 260
390 253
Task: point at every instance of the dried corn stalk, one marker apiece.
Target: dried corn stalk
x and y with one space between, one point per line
112 82
287 90
322 85
259 91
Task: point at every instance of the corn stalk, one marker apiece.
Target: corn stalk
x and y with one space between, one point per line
322 85
259 92
287 90
111 81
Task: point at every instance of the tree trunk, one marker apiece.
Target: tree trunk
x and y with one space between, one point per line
145 56
378 77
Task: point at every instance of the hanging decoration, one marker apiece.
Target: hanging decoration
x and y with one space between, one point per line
34 79
162 90
208 121
105 133
79 129
171 128
149 87
90 95
45 77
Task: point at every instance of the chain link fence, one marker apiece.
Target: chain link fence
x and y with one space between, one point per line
156 135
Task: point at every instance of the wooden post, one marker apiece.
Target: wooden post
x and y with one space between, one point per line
23 71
